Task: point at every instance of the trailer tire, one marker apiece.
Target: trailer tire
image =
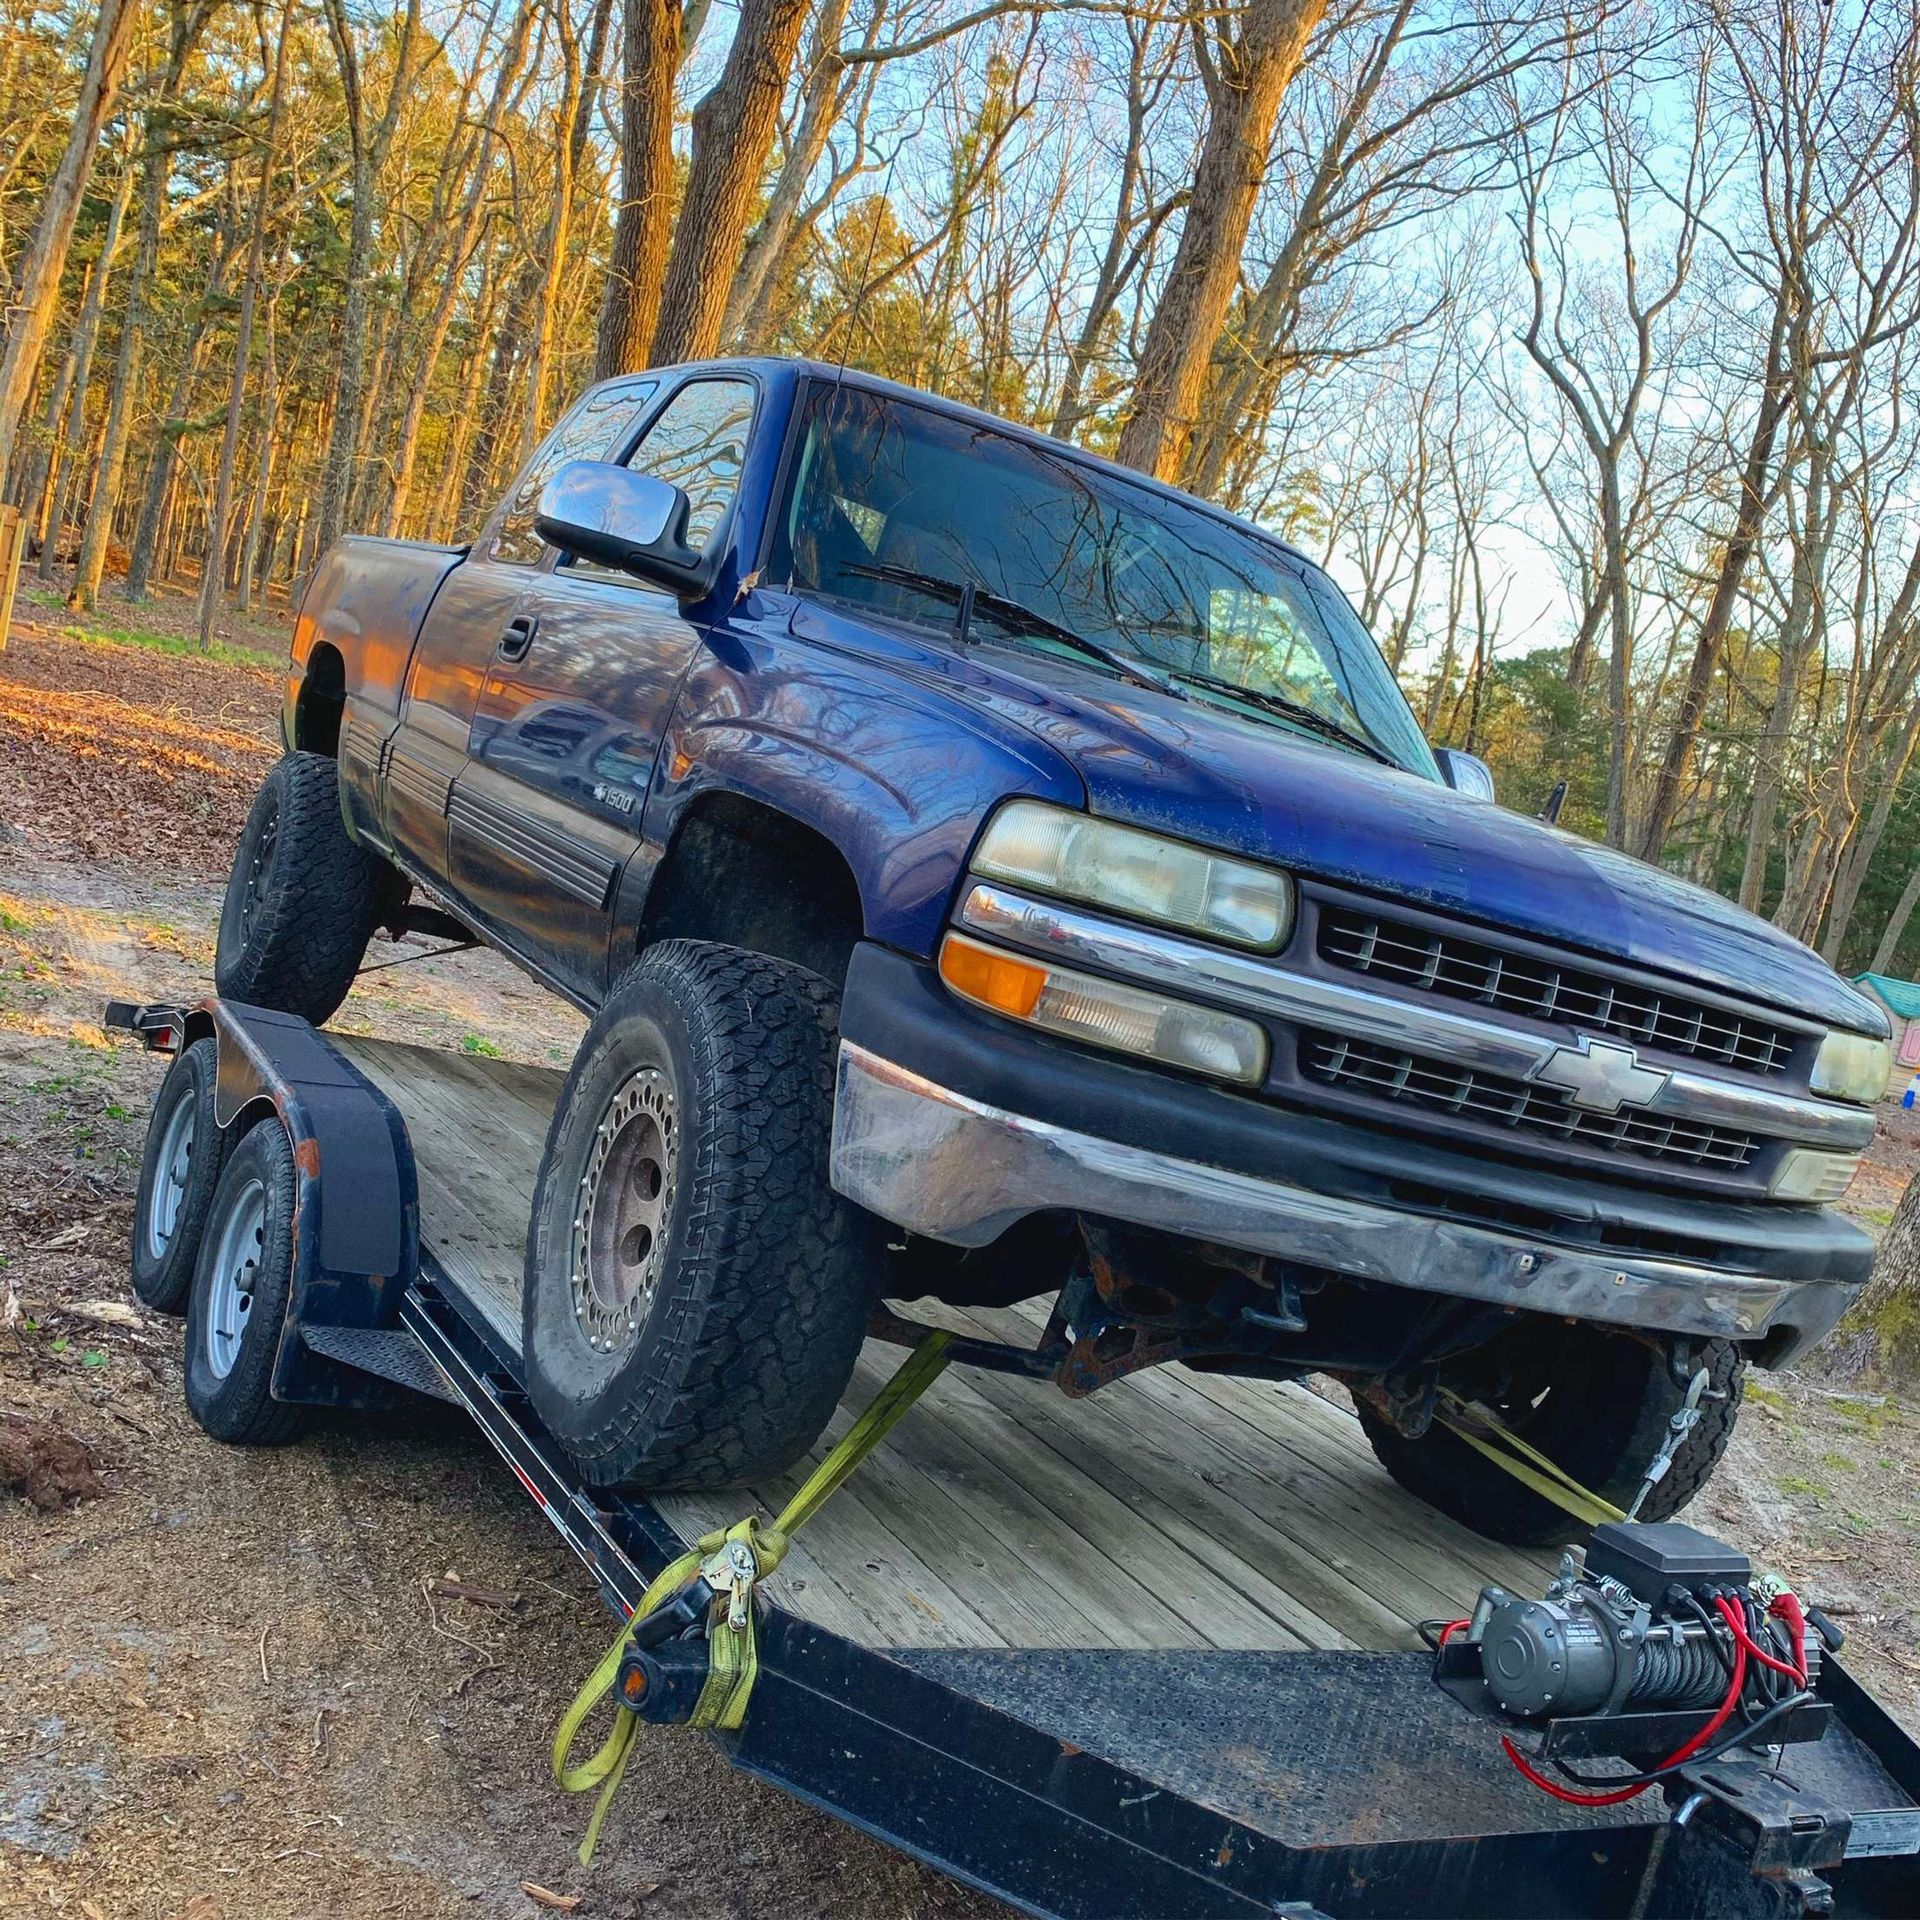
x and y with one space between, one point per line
241 1286
1597 1403
302 899
696 1292
178 1171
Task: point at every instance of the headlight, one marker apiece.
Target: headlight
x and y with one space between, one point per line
1139 874
1821 1178
1081 1006
1849 1066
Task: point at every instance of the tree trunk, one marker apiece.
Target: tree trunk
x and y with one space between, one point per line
733 130
1866 841
1677 762
248 580
1884 1323
819 114
1896 927
213 568
174 425
459 256
574 116
34 495
1252 77
67 457
38 284
637 266
369 151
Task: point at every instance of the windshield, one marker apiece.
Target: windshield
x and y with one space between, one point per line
884 491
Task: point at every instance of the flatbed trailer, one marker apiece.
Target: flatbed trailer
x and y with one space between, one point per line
1151 1653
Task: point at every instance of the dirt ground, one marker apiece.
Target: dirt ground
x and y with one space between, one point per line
228 1690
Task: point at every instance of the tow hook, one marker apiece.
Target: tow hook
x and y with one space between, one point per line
1404 1400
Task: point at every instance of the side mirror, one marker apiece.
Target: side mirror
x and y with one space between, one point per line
629 521
1465 772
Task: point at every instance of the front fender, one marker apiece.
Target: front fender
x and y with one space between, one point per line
895 775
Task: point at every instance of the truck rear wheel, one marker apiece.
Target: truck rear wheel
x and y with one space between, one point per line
302 899
185 1149
1595 1402
696 1292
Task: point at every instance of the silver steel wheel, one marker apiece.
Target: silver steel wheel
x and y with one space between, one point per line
238 1249
621 1212
173 1162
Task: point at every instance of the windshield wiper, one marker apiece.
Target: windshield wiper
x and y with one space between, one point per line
1290 709
969 599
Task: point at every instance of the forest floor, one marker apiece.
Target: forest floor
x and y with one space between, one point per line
228 1687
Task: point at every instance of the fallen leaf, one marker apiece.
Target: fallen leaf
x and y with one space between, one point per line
67 1237
91 1911
108 1313
546 1897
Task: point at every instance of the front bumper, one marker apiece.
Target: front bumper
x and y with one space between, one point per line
953 1125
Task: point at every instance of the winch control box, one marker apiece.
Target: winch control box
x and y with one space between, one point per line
1648 1559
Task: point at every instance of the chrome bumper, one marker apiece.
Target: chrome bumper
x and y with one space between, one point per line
938 1163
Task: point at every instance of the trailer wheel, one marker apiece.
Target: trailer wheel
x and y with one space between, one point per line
302 899
184 1153
696 1292
1596 1403
239 1300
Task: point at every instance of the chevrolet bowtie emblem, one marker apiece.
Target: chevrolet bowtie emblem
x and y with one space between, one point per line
1602 1079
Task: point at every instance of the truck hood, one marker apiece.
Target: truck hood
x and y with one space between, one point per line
1189 769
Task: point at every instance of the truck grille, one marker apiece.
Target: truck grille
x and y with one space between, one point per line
1494 976
1385 1074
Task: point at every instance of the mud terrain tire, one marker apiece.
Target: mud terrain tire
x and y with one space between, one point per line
302 899
1596 1403
696 1292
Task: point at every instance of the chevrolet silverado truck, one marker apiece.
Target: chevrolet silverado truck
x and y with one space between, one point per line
995 877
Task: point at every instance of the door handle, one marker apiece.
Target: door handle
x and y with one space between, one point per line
518 637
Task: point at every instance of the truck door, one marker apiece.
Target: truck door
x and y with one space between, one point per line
548 808
471 617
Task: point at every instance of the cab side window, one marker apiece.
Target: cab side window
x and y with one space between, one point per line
592 431
699 442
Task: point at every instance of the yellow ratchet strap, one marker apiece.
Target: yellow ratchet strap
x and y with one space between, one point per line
1487 1433
732 1649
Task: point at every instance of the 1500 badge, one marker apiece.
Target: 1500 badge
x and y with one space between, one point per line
618 797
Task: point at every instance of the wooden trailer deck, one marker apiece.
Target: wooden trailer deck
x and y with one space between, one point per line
1174 1509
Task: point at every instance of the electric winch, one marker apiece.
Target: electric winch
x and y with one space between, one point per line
1656 1645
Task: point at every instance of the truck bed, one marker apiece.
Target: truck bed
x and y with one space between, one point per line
1171 1510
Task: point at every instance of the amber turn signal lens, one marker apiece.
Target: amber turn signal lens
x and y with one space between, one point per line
996 980
1105 1013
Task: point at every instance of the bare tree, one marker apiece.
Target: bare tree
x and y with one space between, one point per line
368 147
1597 354
636 271
37 284
1246 66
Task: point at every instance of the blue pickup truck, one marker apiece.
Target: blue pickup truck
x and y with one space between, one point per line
996 877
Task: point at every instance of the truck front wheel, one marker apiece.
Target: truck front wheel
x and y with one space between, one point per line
302 899
1595 1402
696 1292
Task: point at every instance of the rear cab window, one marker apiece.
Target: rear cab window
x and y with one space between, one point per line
697 442
594 429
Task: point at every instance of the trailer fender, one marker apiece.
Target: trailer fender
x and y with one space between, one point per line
357 1210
